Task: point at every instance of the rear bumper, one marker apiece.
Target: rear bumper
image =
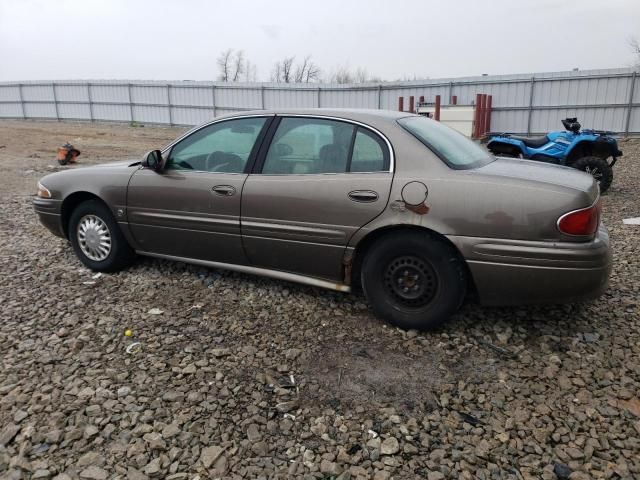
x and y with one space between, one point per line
48 211
509 272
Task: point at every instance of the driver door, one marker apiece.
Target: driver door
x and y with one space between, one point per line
192 208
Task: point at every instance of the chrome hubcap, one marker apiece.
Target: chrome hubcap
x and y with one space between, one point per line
94 237
412 281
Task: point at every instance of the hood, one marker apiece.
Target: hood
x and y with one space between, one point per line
533 172
121 163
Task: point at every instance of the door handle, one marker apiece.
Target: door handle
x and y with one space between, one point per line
363 196
224 190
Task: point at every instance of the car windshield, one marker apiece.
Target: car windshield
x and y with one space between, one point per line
452 147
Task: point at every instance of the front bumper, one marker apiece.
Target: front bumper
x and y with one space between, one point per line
512 272
48 210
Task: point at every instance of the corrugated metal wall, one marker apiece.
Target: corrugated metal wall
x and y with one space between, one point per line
532 103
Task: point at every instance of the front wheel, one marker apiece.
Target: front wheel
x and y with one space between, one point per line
97 239
414 280
597 167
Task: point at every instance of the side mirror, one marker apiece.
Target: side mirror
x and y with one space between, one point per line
153 160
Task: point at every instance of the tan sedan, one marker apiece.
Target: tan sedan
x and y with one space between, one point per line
400 205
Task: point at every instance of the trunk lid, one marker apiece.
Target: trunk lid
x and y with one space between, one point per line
532 172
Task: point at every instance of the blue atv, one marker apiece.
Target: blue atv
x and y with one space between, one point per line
587 150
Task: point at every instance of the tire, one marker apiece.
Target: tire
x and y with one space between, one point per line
96 220
414 280
599 168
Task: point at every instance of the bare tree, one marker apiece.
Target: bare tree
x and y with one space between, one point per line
250 72
313 73
307 71
342 75
224 65
283 70
301 70
238 66
361 75
287 69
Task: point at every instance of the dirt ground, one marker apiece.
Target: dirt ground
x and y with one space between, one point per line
245 377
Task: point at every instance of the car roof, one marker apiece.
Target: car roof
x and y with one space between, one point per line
357 114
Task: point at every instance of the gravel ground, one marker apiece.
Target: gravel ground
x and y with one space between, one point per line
243 377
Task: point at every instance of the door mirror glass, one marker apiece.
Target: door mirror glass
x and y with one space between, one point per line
153 160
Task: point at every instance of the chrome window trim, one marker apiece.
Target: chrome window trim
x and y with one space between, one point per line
347 120
392 163
205 125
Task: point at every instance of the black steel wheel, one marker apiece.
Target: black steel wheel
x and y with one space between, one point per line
413 279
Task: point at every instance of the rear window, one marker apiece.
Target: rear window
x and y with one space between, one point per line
452 147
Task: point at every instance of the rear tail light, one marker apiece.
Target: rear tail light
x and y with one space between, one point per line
581 222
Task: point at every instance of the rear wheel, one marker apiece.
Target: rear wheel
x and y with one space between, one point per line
599 168
97 239
414 280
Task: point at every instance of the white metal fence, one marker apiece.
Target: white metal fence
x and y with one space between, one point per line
533 103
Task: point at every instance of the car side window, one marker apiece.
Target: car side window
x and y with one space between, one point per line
309 145
370 154
220 147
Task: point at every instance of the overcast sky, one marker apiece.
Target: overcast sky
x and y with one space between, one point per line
162 39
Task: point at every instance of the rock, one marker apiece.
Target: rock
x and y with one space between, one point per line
292 353
285 407
62 476
562 471
94 473
580 476
7 433
173 396
260 448
574 453
220 352
155 441
189 369
41 474
53 436
154 467
86 393
135 474
253 434
210 455
19 416
123 392
90 458
381 475
93 410
170 431
435 476
389 446
329 468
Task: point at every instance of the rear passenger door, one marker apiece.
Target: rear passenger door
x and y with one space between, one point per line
314 185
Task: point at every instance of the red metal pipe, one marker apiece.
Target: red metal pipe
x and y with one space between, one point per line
411 104
436 115
454 99
487 114
476 116
483 113
401 104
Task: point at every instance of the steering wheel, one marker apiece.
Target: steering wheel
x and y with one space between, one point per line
186 165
